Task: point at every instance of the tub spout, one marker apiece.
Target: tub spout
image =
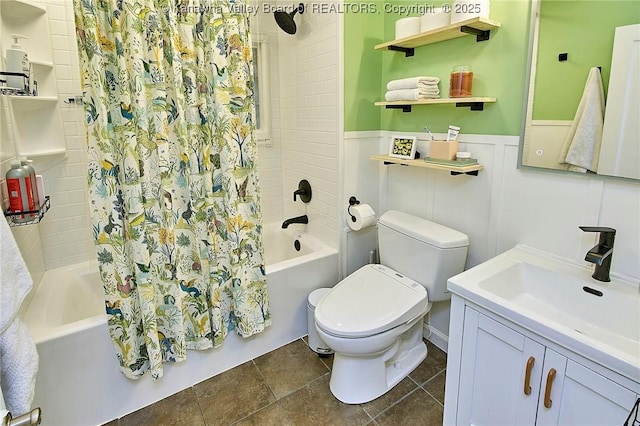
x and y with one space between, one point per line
299 219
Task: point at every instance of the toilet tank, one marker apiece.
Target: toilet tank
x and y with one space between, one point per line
427 252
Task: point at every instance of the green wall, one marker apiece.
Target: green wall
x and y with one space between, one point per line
584 30
499 70
362 69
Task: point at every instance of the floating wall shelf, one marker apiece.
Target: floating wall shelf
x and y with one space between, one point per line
45 153
480 27
475 103
20 9
30 103
44 64
35 120
454 170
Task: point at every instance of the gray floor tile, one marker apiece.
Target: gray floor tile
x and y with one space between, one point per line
315 405
233 395
290 386
380 404
272 415
417 409
435 387
290 367
178 409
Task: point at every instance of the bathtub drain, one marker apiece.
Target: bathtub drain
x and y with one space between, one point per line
296 245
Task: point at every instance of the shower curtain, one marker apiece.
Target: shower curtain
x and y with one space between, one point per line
172 174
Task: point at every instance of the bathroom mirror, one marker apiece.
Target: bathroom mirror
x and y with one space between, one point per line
568 39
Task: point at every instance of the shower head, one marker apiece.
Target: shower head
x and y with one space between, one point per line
285 20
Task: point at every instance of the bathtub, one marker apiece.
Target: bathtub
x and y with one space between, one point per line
79 381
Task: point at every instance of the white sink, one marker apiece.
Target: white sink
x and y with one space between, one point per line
562 301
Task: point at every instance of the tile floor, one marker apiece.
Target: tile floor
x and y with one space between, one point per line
290 386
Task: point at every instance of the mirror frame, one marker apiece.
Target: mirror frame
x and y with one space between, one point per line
533 30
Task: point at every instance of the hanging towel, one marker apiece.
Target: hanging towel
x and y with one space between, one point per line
581 150
18 355
411 94
413 83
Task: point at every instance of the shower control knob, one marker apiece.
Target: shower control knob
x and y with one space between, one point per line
304 191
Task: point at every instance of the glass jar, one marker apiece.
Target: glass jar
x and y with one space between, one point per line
461 81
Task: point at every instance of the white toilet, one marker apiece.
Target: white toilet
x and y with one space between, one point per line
373 319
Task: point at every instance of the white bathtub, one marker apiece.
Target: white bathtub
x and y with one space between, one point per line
79 382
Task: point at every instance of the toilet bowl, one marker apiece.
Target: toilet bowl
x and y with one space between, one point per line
373 319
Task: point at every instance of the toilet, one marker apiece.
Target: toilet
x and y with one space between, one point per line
373 319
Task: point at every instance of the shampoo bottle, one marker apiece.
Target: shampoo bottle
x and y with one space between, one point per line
17 62
17 188
27 165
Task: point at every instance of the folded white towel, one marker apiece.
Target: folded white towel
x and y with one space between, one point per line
18 356
412 83
581 150
18 367
411 94
15 280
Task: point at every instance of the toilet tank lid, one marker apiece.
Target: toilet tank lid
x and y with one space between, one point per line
424 230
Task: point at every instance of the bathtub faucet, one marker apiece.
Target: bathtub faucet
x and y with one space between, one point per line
299 219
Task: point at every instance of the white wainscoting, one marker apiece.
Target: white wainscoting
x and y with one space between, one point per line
499 208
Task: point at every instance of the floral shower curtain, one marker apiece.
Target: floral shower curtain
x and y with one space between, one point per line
172 179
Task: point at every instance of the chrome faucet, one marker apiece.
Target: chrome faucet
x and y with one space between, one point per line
299 219
602 253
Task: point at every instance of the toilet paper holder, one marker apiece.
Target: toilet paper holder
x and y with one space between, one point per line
353 201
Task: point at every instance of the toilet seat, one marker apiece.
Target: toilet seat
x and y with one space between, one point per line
370 301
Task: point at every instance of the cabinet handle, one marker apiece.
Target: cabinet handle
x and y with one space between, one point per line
547 392
527 375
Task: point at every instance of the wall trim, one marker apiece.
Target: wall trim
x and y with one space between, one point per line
436 337
564 123
362 134
500 140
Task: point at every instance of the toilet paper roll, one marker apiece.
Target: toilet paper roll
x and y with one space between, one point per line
406 27
469 9
436 18
364 217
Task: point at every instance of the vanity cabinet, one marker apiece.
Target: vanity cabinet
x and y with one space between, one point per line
492 374
501 374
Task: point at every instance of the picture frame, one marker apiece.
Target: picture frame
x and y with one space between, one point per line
403 146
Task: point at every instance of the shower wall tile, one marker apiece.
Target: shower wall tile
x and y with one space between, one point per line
56 11
57 27
66 232
270 157
309 120
27 237
59 41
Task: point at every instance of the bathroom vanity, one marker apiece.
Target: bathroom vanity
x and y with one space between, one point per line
535 340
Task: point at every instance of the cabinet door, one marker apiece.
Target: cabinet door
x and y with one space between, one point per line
496 361
580 396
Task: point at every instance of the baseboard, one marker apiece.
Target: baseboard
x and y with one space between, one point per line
436 337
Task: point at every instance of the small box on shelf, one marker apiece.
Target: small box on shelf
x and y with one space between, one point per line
443 150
